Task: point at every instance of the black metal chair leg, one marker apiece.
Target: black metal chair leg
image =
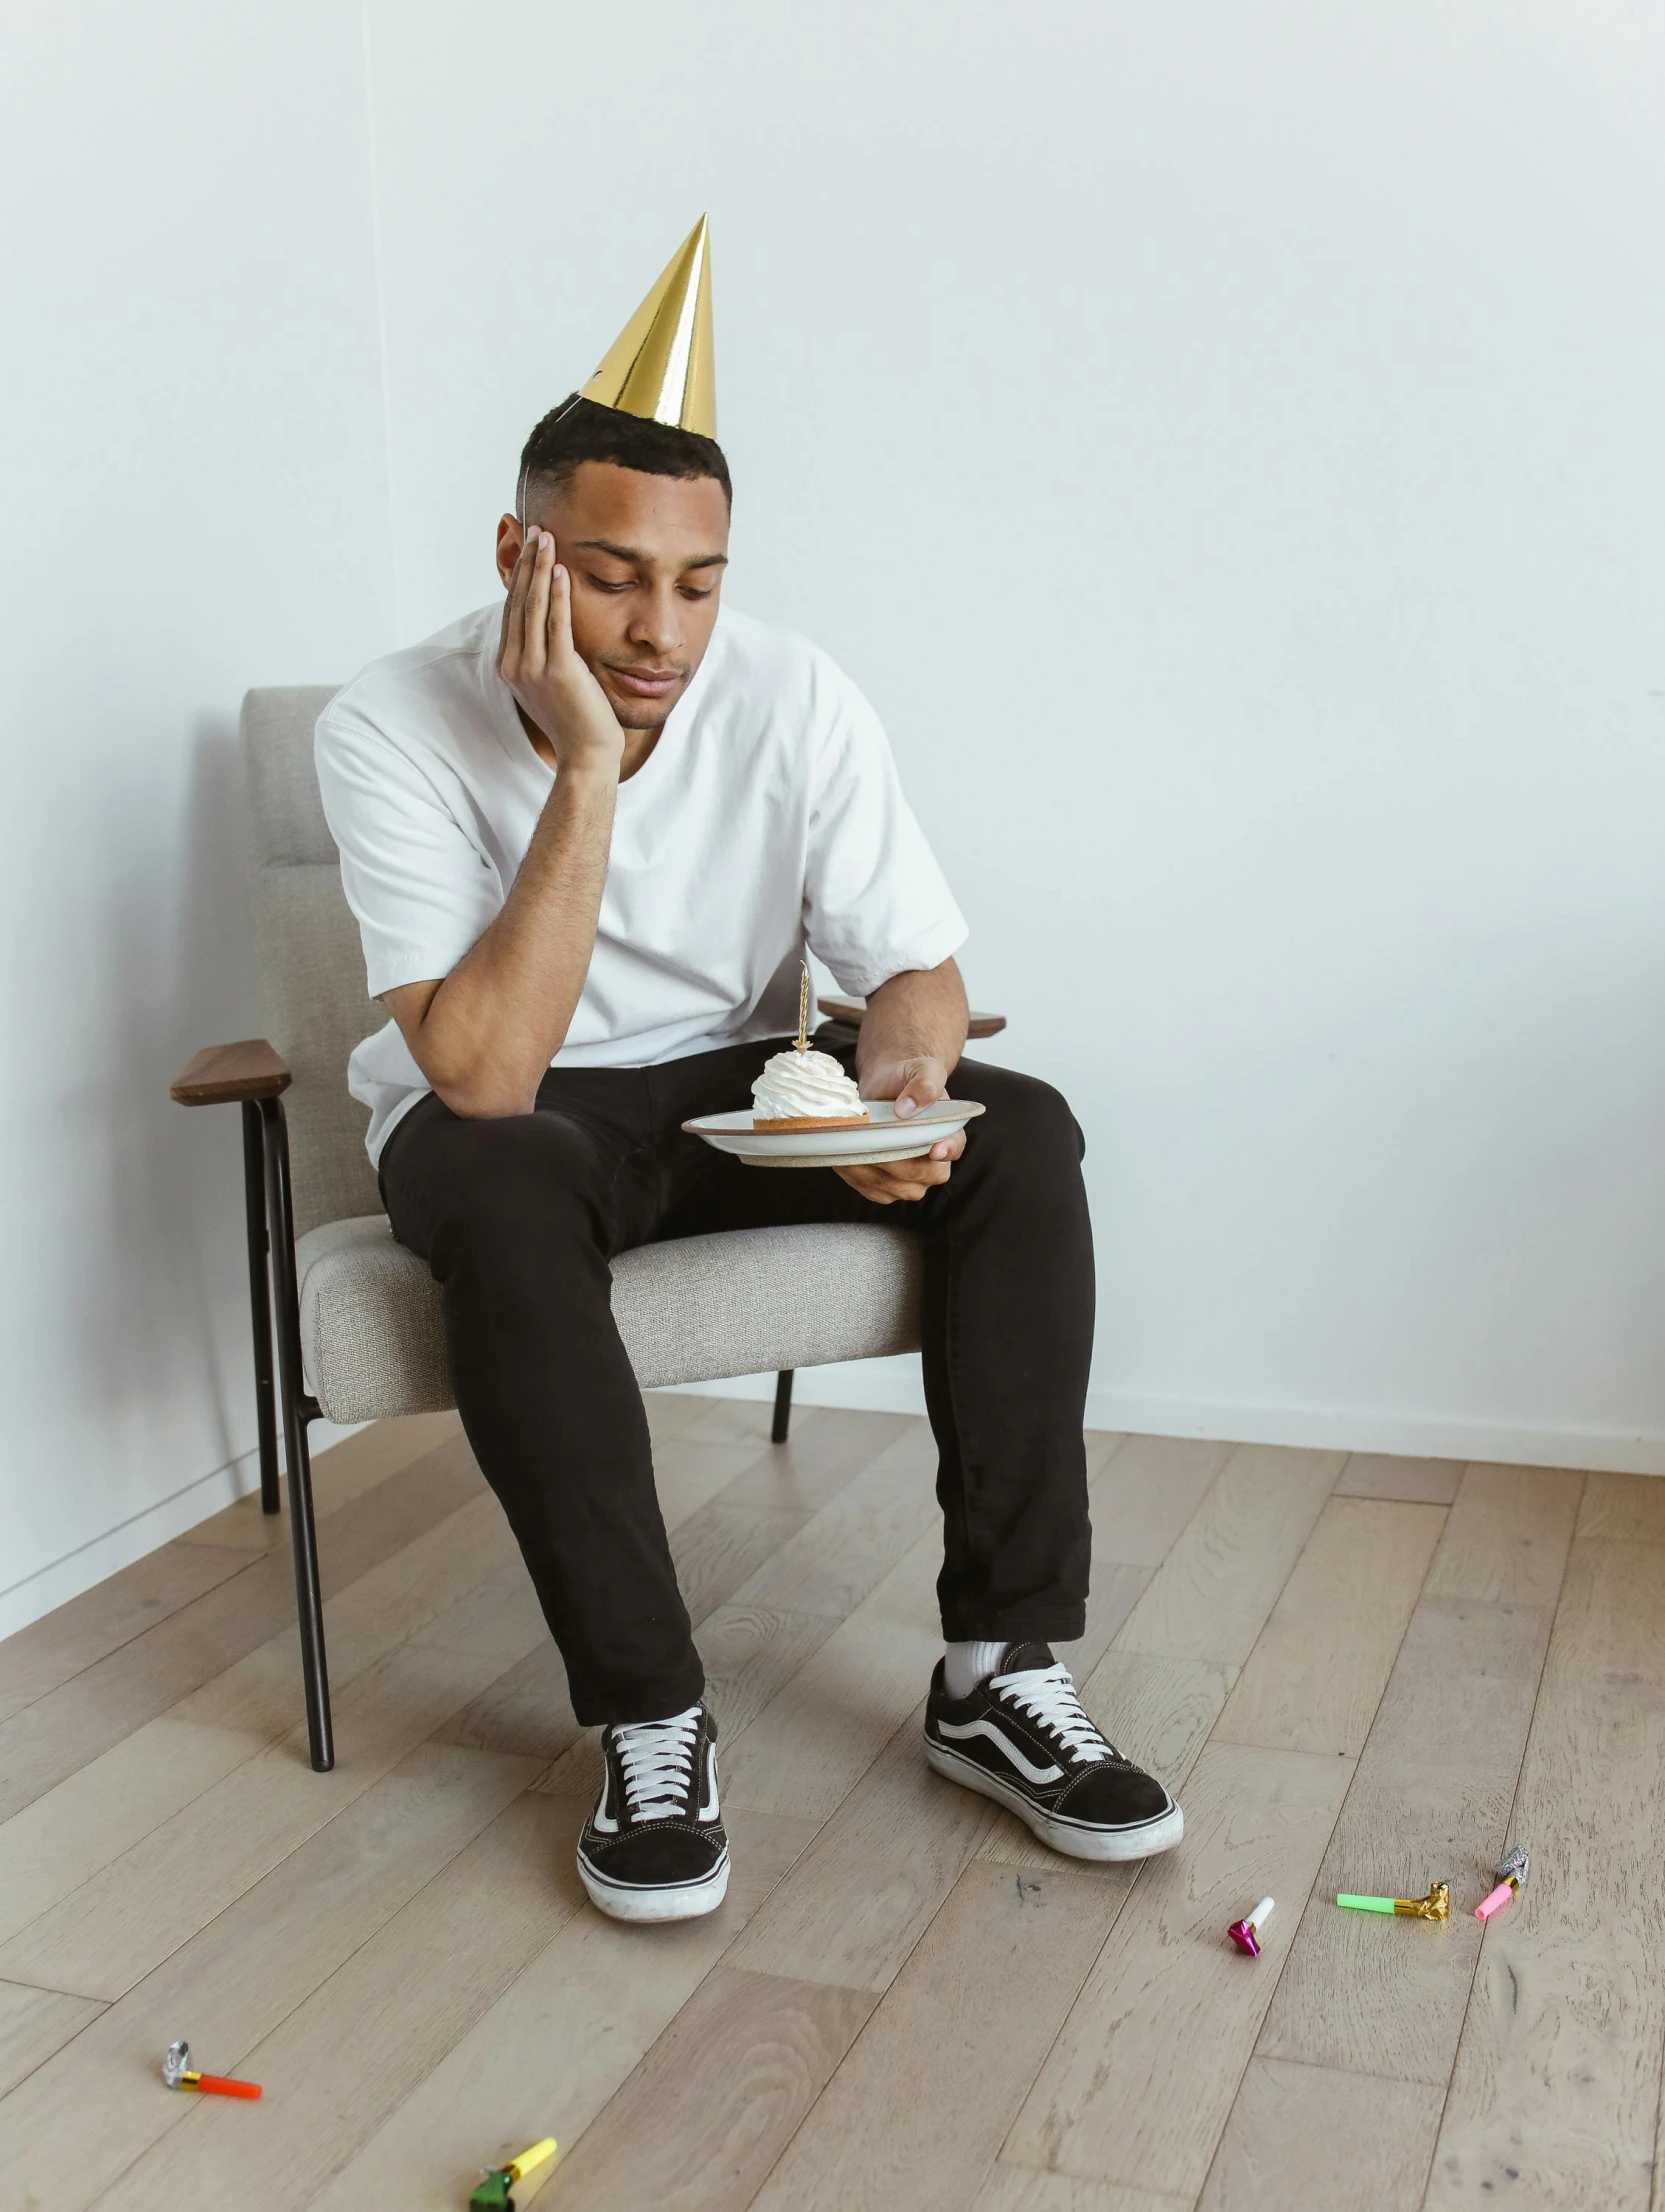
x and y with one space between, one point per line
783 1407
296 1413
260 1302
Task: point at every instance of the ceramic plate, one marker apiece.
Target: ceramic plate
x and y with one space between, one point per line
880 1137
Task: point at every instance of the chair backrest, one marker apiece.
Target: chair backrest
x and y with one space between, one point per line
314 1002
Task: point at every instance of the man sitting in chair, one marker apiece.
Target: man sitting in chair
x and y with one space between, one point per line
587 836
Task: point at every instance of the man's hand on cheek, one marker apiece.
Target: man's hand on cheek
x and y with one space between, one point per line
912 1084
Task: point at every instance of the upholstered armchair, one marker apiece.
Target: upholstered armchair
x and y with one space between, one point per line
358 1329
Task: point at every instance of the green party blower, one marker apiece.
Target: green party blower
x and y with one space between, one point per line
1435 1906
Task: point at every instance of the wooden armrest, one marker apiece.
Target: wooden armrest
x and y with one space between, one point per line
223 1073
851 1010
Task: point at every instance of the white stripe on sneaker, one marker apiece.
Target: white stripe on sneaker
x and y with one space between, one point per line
959 1731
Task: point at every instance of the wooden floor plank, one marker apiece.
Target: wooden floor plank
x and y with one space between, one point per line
831 1565
66 1837
1622 1509
1159 1712
724 1420
1313 2139
1023 2189
1506 1538
1220 1579
559 2042
109 1806
750 1653
814 1741
1554 2096
242 1974
866 1889
916 2113
347 2055
1145 1491
106 1618
824 1453
711 2107
60 1732
113 1930
1415 1481
33 2024
1316 1674
1122 2096
260 1694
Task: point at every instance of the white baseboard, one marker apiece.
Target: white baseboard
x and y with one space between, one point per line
893 1386
48 1587
1408 1436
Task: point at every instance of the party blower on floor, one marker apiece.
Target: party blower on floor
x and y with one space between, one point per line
492 2195
178 2073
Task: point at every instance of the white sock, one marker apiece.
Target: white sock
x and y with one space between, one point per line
965 1665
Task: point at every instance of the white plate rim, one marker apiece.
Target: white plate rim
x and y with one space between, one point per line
738 1122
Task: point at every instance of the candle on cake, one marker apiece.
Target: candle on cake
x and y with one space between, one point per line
802 1088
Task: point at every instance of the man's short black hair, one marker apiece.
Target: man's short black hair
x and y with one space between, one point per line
578 431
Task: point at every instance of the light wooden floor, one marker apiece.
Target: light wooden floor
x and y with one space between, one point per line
1360 1673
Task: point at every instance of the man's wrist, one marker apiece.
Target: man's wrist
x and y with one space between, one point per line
590 772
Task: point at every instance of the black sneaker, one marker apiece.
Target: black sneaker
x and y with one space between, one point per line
1022 1738
654 1848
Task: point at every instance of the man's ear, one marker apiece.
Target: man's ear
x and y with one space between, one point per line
510 538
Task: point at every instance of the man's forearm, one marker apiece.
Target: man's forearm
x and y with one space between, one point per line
491 1029
919 1015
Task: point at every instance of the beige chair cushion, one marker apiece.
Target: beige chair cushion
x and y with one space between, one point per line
741 1303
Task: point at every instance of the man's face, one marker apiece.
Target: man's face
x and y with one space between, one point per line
646 556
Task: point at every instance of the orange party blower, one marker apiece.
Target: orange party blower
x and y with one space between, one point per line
178 2073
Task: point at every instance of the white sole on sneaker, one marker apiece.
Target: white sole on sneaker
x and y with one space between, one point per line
681 1901
1074 1838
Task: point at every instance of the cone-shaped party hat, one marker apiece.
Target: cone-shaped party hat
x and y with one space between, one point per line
661 364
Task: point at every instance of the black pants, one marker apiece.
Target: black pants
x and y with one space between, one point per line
518 1220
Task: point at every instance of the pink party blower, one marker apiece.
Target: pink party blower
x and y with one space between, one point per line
1512 1871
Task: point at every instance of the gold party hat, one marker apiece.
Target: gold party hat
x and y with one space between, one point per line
661 364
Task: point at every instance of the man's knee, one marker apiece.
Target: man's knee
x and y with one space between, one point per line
526 1187
1027 1121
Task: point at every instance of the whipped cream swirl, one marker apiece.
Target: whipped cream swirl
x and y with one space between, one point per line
805 1086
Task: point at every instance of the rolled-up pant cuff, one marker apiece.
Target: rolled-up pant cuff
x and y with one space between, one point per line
1019 1624
595 1706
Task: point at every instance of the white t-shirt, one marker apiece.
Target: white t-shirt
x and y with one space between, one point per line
768 816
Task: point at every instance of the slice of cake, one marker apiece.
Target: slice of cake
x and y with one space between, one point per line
805 1090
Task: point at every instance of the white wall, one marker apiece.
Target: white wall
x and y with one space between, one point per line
1227 445
195 501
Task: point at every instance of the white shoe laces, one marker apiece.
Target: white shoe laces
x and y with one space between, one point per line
657 1757
1048 1695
